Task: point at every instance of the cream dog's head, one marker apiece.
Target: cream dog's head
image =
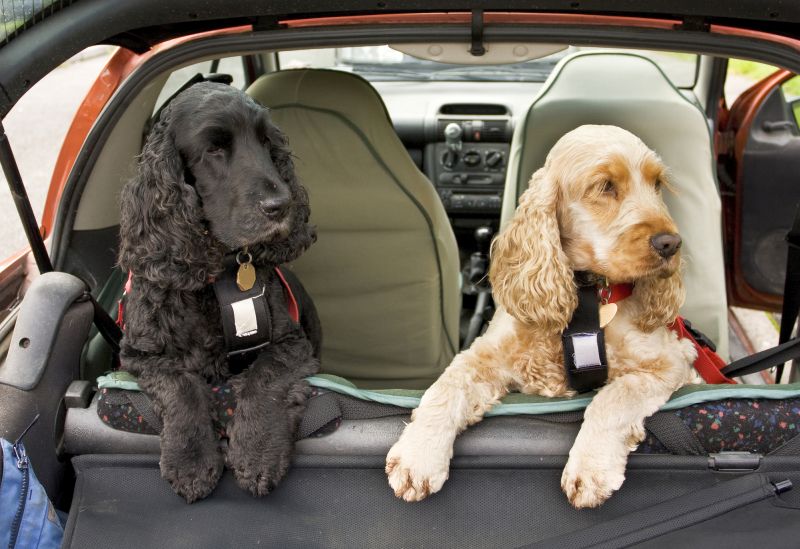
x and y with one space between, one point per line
595 206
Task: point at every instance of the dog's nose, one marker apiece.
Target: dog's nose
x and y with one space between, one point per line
274 208
666 244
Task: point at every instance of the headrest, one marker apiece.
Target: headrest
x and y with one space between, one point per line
323 89
619 89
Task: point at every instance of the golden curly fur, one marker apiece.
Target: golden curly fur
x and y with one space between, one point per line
595 206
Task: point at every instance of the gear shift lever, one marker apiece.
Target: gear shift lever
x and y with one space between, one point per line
452 137
478 279
479 261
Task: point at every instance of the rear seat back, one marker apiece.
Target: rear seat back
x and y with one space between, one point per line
632 92
384 272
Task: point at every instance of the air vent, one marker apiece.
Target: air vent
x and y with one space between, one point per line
495 130
479 109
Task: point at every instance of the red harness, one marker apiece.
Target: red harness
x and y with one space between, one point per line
291 302
708 363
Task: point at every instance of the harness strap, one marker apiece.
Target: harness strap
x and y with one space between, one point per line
291 302
585 360
246 318
708 363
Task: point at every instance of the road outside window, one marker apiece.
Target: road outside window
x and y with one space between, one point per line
36 127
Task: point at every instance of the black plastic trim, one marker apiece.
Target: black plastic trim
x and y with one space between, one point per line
26 59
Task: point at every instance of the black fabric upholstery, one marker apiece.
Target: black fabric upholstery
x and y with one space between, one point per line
325 501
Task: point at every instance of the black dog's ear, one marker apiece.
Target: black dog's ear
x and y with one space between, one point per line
303 234
162 234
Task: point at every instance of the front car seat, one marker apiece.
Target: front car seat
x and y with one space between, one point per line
632 92
384 272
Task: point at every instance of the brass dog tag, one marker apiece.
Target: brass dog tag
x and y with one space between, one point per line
246 275
607 313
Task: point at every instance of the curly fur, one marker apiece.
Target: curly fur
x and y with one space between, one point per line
215 175
528 270
595 206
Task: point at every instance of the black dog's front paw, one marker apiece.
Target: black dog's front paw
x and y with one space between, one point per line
193 470
259 457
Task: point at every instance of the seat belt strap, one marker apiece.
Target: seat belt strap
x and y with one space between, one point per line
787 349
674 514
791 287
767 358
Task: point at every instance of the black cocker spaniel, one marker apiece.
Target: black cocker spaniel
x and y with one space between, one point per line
215 181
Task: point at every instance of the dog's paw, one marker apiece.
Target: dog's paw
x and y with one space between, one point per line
259 461
259 476
416 471
192 475
588 482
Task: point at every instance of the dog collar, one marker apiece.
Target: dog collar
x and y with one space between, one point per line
612 293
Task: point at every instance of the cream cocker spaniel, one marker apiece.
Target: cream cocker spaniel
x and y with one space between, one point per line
595 206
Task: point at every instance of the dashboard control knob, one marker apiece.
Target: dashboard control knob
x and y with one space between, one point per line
494 158
449 159
472 158
452 136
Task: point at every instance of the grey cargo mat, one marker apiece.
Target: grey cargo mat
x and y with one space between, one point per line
121 501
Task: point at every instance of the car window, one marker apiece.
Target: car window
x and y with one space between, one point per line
791 94
381 63
233 66
743 73
36 127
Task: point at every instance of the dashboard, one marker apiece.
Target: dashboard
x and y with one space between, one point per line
459 134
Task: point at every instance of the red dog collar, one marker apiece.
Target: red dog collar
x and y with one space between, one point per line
614 292
708 363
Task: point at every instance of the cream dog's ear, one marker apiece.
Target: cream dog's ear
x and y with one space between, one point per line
530 274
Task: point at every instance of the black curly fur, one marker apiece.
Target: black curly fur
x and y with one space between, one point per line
215 175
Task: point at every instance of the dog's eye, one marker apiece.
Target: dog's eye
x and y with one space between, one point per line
658 185
219 141
264 139
609 189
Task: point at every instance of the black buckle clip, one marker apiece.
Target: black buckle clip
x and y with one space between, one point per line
699 336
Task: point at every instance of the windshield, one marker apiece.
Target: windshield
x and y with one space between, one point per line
18 15
382 63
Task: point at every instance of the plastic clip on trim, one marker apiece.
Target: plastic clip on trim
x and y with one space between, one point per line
477 48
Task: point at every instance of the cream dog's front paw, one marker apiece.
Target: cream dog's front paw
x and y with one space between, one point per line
588 480
416 470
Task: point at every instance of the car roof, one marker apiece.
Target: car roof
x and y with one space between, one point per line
38 35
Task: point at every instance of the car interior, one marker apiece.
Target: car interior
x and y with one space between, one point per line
402 206
411 169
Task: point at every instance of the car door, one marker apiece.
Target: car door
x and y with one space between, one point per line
760 185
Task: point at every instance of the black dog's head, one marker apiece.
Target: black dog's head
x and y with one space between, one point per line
214 176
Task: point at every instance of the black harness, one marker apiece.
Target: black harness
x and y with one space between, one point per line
584 343
246 318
